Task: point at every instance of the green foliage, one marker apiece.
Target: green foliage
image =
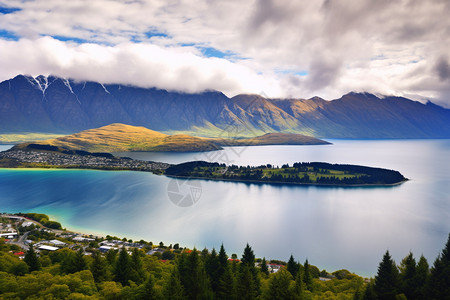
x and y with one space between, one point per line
279 285
292 266
167 255
148 291
299 286
387 279
122 269
98 267
173 288
440 274
44 220
137 273
307 277
264 268
422 277
341 274
193 276
248 266
246 288
207 275
408 276
32 260
226 288
79 261
299 173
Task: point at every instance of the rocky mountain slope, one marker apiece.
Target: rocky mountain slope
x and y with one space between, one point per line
57 105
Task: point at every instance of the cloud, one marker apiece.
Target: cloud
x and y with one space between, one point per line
336 45
443 68
128 63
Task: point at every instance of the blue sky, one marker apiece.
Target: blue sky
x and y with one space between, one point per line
291 48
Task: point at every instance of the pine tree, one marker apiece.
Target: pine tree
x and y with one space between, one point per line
222 259
248 258
370 293
68 262
137 271
246 288
299 286
148 291
32 260
422 278
387 279
248 263
98 267
193 277
292 266
79 262
440 274
212 267
111 257
408 276
173 288
122 268
226 289
264 268
307 277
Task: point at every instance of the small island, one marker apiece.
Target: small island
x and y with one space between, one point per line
312 173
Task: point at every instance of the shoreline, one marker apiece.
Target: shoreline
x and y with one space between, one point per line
249 181
291 183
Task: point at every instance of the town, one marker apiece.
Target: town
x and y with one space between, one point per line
22 231
33 158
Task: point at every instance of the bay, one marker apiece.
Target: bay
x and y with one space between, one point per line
334 227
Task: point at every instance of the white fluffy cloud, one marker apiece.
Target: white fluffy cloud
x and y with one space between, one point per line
282 48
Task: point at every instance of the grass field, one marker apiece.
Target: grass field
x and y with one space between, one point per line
16 138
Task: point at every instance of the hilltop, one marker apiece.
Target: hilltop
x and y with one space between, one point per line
121 137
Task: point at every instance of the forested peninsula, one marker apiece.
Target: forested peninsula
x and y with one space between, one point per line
316 173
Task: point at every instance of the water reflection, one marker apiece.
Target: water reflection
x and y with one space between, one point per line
334 227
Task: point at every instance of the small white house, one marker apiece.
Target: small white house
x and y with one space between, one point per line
57 243
105 249
9 235
48 248
82 239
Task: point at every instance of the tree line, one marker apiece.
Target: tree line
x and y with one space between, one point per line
194 274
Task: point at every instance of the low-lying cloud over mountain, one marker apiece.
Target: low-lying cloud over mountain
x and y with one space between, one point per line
279 48
57 105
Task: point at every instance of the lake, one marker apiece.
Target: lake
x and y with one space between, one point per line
334 227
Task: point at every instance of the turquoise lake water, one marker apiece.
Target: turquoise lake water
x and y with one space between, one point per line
334 227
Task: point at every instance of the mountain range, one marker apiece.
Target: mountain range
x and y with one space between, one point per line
57 105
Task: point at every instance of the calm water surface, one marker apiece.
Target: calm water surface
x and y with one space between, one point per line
333 227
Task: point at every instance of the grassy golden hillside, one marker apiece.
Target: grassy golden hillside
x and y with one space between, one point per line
15 138
120 137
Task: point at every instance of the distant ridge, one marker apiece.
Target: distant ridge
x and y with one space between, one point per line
57 105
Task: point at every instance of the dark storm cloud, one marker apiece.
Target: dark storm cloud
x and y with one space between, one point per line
442 68
324 72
